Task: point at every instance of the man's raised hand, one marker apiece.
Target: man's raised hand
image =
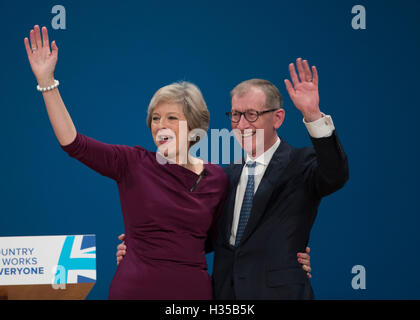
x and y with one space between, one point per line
304 92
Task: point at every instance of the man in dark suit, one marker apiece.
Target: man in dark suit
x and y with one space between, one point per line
275 193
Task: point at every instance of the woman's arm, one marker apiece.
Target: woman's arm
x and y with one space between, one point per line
43 62
107 159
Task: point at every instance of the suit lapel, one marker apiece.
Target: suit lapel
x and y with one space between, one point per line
234 180
267 185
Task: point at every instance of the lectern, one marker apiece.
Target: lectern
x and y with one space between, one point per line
47 267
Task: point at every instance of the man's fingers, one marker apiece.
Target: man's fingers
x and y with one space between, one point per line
121 253
122 246
308 73
315 75
301 70
293 74
289 87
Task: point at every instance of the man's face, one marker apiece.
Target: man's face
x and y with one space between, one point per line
246 132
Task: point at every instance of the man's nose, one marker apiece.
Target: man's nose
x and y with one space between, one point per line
243 123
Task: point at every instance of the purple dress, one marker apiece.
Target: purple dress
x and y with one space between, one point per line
167 225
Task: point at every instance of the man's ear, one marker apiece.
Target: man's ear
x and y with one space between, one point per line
279 117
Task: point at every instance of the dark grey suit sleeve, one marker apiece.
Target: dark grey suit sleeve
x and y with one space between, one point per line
329 169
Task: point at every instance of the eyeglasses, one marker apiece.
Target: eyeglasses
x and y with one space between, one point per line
250 115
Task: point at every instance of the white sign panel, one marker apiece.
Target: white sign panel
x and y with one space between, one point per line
47 260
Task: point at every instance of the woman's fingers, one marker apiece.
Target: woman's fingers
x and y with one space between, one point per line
46 41
27 47
306 268
38 37
305 262
304 256
121 236
38 42
54 48
33 41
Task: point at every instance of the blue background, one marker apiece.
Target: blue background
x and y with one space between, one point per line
114 55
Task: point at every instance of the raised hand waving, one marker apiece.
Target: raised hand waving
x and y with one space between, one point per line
41 59
304 93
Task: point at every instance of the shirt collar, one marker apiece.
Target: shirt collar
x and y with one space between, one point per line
265 158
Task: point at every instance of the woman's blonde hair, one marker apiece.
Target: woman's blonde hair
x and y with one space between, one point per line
189 96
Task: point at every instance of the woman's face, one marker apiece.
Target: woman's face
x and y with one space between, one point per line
170 131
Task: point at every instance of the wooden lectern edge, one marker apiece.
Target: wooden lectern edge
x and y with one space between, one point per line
72 291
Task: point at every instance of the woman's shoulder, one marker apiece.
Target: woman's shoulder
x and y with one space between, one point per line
216 170
143 154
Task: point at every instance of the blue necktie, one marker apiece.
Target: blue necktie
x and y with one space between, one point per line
246 203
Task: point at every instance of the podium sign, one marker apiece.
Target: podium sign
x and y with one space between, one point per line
47 267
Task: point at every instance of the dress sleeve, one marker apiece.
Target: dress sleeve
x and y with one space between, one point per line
107 159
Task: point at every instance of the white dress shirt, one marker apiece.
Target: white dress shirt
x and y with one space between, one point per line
320 128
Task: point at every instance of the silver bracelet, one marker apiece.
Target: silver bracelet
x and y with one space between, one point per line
55 85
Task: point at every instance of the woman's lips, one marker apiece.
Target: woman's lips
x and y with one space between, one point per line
162 139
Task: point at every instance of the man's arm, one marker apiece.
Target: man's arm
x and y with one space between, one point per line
331 169
303 257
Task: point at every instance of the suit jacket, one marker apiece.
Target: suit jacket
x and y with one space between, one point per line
264 265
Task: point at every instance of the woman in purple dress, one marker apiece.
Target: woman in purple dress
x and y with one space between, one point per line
170 200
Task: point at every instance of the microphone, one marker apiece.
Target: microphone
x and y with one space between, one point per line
203 173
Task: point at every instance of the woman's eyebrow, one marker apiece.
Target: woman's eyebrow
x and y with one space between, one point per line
171 112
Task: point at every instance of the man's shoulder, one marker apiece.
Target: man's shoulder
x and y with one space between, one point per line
304 152
230 168
302 157
294 155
